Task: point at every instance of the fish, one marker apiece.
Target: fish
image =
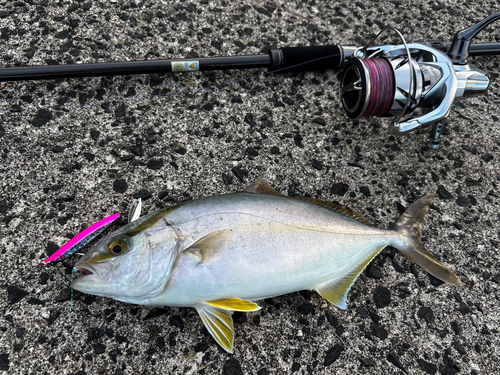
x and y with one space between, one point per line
224 253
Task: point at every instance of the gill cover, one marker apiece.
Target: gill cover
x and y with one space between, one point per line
132 264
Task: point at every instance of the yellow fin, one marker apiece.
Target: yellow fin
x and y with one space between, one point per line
263 187
235 304
220 325
209 246
335 291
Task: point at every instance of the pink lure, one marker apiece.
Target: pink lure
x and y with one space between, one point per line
80 240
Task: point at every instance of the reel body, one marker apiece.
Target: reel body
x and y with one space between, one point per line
395 80
427 80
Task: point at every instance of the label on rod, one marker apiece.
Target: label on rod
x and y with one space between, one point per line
185 66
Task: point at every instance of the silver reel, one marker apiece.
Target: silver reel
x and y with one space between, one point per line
411 76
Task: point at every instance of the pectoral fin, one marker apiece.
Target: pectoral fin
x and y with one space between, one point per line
235 304
335 291
212 244
219 323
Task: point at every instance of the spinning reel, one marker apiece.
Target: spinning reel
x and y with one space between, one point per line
395 80
382 81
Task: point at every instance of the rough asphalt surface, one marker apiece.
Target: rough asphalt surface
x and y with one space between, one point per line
63 169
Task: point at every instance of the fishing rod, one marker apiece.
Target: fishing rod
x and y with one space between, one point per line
380 81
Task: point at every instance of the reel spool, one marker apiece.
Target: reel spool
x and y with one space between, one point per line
379 87
381 82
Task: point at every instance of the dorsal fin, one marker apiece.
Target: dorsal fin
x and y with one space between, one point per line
335 208
262 187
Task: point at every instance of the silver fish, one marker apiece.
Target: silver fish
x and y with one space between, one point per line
223 253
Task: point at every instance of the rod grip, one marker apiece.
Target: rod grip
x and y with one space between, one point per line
306 58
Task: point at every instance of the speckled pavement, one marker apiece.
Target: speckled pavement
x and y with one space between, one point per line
64 169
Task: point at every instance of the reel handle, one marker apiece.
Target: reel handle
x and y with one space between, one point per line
459 49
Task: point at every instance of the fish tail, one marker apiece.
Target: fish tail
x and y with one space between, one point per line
408 226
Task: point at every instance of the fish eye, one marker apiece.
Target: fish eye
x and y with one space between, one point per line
117 247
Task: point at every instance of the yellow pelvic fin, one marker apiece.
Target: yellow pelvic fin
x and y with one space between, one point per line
335 291
234 304
209 246
220 325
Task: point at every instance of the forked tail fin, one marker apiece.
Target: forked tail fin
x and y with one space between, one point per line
409 226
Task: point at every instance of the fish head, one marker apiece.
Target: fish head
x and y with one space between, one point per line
132 264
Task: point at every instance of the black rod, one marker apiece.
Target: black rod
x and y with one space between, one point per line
475 49
133 67
297 58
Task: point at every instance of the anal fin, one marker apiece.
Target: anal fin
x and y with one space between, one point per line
219 323
335 291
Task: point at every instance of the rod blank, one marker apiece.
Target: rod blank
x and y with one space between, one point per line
129 67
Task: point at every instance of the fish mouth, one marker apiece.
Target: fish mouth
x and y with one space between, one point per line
85 270
102 270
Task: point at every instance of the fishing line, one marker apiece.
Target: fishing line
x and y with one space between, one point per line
26 109
74 273
382 86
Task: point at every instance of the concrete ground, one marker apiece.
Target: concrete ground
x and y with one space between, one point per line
63 169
